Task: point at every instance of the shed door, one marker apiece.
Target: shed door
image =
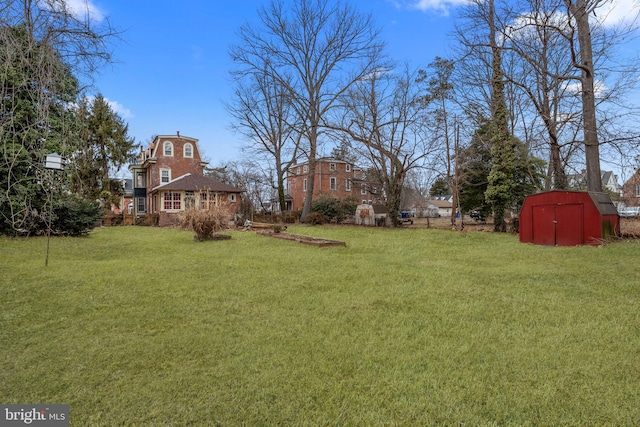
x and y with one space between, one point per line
569 225
559 225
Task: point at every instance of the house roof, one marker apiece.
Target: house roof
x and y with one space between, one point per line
440 203
608 179
189 182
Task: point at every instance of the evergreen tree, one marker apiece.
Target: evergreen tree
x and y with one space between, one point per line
477 164
105 146
440 187
36 88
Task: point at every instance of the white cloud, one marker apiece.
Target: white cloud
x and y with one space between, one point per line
81 9
599 88
442 6
618 11
120 109
610 13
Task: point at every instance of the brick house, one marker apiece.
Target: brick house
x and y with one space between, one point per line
333 178
169 178
631 190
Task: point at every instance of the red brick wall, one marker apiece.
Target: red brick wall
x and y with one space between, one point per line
629 192
323 175
178 164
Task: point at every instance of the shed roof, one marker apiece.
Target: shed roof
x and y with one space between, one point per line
603 203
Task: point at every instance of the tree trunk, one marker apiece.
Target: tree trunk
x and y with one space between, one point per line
591 144
308 197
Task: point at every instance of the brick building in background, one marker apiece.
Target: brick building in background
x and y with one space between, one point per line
333 178
631 190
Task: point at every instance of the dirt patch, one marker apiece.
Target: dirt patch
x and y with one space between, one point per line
305 240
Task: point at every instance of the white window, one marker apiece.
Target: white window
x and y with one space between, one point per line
304 185
638 190
140 180
142 204
332 183
188 150
347 185
347 167
332 166
363 189
305 168
168 148
298 170
165 176
232 198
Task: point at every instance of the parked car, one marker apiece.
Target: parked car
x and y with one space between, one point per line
405 217
478 216
630 212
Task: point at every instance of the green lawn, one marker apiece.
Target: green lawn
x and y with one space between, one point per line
145 327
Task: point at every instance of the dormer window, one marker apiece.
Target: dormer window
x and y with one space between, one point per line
168 148
188 150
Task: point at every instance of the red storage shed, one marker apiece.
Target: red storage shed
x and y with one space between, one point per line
568 218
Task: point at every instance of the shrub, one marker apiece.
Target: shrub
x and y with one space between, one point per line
334 209
74 216
205 223
315 218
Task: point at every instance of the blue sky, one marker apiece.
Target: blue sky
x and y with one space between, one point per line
171 69
172 64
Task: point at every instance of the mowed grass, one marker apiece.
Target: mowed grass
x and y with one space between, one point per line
145 327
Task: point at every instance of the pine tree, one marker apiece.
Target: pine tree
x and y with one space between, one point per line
105 146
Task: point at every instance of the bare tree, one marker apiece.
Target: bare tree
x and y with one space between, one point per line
540 67
440 92
543 57
583 60
316 50
384 115
264 114
547 49
249 176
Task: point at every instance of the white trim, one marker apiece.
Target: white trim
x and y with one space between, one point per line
168 171
184 150
164 148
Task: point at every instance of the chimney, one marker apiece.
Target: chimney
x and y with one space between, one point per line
178 133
